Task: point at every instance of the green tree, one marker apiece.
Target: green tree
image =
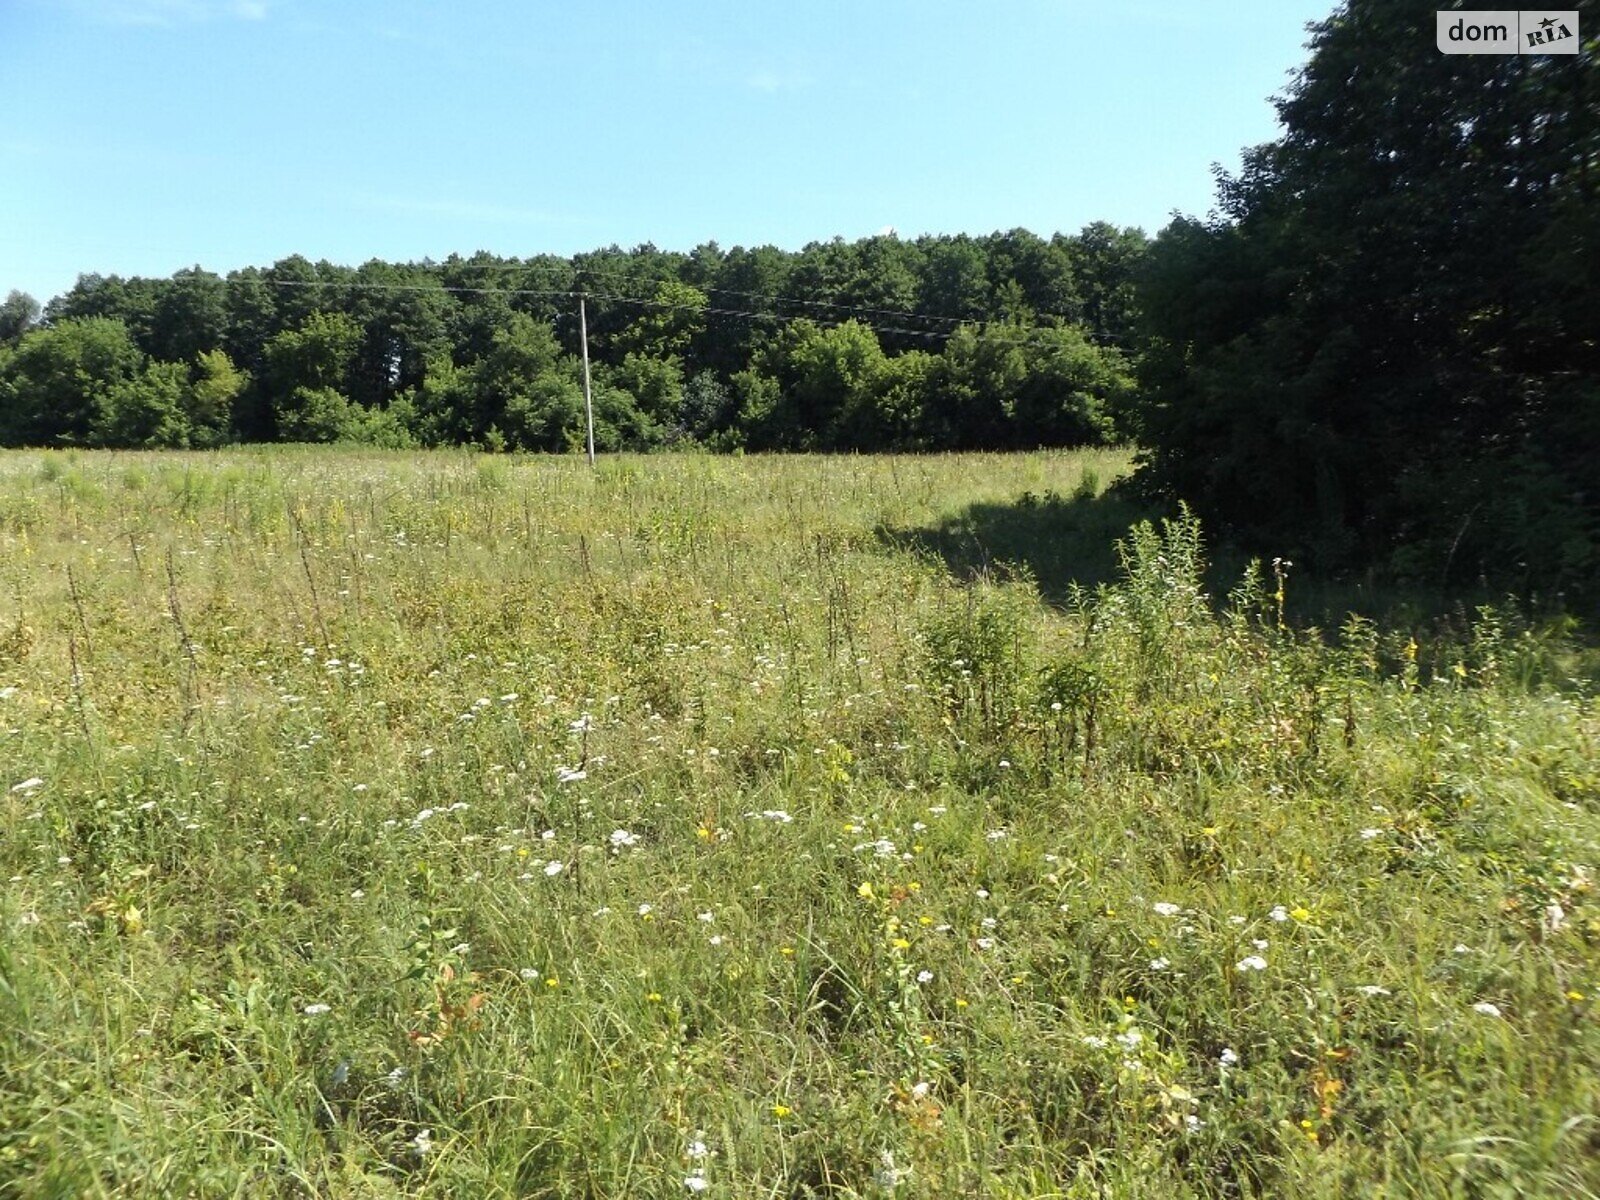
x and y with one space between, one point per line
55 382
1031 277
524 394
955 281
190 316
214 388
1105 262
746 281
656 385
830 380
757 399
1385 346
894 420
144 411
980 374
131 301
404 314
18 314
1073 392
303 365
668 325
706 410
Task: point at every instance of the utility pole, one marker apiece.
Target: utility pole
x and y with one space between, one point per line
588 402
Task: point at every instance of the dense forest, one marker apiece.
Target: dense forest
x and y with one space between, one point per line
1381 349
939 343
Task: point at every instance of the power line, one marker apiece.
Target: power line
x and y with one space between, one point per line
764 296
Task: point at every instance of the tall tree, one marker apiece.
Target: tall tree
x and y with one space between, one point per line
955 281
1041 271
18 314
1381 348
1105 264
190 316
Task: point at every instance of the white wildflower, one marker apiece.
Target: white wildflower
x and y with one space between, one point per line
887 1175
1487 1009
1253 962
1165 908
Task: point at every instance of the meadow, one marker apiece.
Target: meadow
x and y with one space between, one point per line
383 825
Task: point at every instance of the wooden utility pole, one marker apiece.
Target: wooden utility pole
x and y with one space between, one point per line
588 402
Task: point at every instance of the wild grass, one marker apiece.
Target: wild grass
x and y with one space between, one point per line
391 825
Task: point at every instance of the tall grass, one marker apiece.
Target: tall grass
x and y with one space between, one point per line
383 825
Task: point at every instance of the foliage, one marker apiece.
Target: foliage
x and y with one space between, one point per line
56 381
847 338
19 312
1389 336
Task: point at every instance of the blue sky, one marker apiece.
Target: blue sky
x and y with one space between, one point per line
147 135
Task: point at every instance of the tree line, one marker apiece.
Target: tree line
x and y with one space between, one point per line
1380 352
1005 341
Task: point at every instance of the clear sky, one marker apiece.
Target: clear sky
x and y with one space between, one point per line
142 136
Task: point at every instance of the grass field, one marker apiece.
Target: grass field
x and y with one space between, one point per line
388 825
